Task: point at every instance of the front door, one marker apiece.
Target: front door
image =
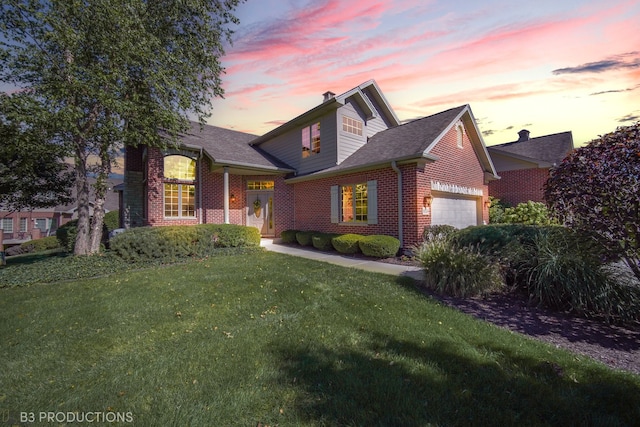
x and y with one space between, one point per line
260 211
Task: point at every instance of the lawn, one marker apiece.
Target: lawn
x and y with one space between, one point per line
236 340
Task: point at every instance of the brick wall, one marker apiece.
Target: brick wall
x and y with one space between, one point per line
518 186
312 203
210 196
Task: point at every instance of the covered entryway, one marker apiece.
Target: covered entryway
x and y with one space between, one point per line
458 210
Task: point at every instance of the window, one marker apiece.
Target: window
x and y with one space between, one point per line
351 125
23 225
460 134
6 224
40 224
179 187
311 140
179 200
355 203
259 185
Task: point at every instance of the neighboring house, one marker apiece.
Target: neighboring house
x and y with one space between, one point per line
523 165
21 226
345 166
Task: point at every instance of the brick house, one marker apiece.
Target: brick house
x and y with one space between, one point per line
21 226
523 165
345 166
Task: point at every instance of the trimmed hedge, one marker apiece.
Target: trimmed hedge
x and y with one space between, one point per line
66 235
347 243
322 241
40 245
181 241
379 246
289 236
304 237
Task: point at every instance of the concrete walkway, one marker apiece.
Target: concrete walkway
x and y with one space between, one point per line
345 261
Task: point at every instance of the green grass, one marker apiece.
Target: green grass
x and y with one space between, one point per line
233 340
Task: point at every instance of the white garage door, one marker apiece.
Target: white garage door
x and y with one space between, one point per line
453 210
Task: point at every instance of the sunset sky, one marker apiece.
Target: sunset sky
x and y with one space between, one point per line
548 66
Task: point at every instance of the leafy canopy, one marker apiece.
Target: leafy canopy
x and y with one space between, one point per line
596 188
103 74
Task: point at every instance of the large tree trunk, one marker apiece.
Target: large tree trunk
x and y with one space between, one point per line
82 186
101 186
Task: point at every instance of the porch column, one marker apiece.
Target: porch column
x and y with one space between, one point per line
226 194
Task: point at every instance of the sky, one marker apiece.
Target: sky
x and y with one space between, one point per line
547 66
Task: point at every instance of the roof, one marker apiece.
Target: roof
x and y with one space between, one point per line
230 147
411 141
550 149
371 87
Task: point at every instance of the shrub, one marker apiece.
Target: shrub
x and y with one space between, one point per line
347 243
379 246
562 269
289 236
322 241
66 235
40 245
181 241
494 240
304 237
458 271
531 213
496 210
595 189
112 220
437 232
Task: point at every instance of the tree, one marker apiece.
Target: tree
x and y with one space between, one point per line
32 170
596 189
111 73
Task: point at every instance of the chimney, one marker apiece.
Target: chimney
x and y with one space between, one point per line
328 95
523 135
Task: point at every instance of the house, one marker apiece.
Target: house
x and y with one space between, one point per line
523 165
346 166
21 226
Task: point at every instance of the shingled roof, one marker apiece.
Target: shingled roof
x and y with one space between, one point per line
230 147
411 141
549 148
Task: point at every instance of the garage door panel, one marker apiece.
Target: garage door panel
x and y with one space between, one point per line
457 211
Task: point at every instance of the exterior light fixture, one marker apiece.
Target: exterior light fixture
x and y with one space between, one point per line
487 203
232 198
427 201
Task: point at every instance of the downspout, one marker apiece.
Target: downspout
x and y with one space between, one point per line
226 194
200 187
395 167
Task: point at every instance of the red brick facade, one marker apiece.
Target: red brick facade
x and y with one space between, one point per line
456 166
520 186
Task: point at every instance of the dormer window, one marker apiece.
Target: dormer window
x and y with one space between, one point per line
311 140
352 125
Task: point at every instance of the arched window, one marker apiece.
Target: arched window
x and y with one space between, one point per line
179 187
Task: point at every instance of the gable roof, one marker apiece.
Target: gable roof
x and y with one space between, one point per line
543 150
411 142
227 147
333 103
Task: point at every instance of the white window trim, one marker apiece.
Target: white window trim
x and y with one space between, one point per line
164 201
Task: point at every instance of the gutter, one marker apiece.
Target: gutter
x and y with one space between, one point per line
395 167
